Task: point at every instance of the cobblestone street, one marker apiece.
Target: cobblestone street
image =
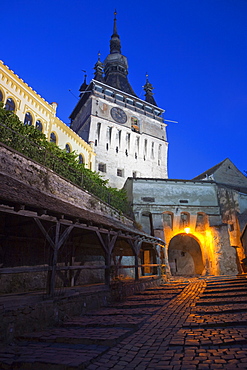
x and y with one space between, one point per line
184 324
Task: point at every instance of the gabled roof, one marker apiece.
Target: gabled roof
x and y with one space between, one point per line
209 172
225 173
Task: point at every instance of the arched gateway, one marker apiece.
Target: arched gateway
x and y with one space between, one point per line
185 256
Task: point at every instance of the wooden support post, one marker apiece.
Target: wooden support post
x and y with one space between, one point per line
136 268
108 246
108 268
55 245
54 262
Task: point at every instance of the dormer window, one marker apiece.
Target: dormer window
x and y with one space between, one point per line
98 88
108 92
148 109
157 112
129 101
135 124
119 97
139 105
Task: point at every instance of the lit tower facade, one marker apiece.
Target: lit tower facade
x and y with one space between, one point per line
128 134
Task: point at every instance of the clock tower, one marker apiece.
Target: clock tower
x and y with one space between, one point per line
128 134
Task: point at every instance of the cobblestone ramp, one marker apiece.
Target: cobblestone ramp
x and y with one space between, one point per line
83 339
214 336
198 326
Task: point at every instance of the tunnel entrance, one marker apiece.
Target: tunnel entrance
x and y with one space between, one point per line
185 256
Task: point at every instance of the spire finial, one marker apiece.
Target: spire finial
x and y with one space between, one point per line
115 23
99 56
115 46
85 75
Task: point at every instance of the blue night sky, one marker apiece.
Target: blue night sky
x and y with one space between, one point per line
195 52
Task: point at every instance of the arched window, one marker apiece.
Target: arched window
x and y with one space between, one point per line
28 119
184 219
201 221
168 220
10 105
53 138
81 159
39 125
1 96
67 148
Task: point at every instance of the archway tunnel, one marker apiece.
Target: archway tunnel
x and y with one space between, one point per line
185 256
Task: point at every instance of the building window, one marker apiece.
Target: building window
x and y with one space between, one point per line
102 167
120 172
137 144
98 130
68 148
28 119
10 105
118 137
135 124
168 220
159 154
109 134
201 221
145 148
53 138
152 150
128 141
1 96
39 126
81 159
184 219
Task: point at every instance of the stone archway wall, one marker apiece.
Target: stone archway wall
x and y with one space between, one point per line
185 256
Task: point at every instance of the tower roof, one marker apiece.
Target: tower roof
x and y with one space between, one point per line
116 64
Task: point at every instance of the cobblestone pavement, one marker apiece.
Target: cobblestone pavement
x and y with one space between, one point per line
184 324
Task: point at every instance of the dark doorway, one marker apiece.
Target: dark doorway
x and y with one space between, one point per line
185 256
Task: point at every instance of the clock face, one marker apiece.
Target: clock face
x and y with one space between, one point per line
118 115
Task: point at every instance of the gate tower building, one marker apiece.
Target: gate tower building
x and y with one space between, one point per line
127 133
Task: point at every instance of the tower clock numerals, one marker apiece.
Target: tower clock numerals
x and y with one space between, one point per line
118 115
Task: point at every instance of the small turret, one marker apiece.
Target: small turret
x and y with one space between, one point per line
84 84
148 88
99 70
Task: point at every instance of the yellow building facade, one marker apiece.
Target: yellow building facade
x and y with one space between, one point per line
32 109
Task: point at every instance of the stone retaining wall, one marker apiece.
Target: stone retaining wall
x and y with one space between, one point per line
34 174
20 314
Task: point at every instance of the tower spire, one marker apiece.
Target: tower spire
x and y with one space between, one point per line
115 45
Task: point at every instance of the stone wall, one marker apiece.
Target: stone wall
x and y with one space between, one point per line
32 313
31 173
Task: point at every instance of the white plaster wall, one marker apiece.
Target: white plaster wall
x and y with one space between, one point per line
153 166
